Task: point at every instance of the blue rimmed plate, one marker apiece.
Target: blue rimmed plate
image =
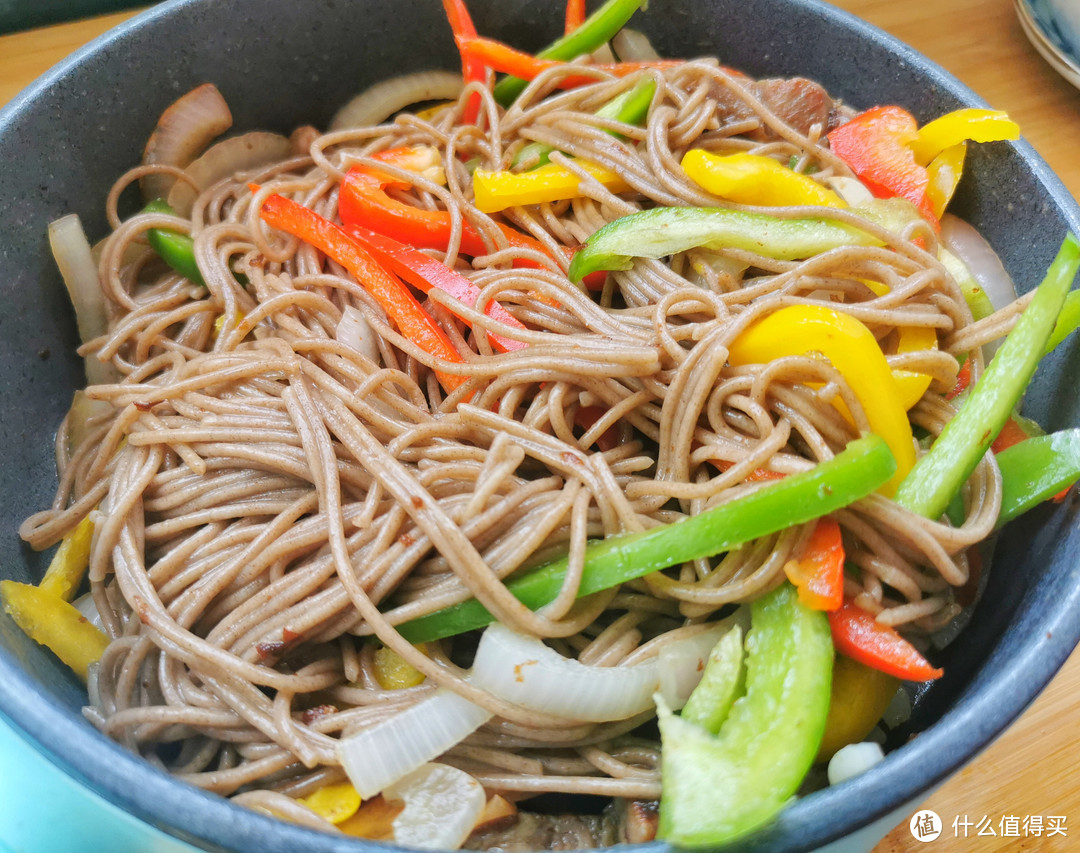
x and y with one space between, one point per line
1053 26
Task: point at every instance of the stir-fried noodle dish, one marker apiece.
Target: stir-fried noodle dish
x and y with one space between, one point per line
605 435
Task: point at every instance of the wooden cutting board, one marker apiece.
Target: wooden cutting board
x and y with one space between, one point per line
1027 775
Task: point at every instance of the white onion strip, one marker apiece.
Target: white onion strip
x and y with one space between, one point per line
381 755
353 330
980 259
442 805
73 256
377 103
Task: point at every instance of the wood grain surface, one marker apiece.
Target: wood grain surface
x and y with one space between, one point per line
1027 774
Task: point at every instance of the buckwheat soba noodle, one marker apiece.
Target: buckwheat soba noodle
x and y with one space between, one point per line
281 476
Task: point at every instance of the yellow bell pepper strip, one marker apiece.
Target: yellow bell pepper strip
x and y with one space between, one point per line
393 296
630 107
818 573
722 682
424 272
501 57
755 179
851 348
717 788
943 175
864 465
393 672
978 125
336 803
472 69
495 191
598 28
860 696
910 385
939 474
876 145
49 620
70 561
663 231
857 634
1036 469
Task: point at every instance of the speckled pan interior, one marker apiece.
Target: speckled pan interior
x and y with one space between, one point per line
281 63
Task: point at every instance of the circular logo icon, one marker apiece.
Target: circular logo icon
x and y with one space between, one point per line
925 825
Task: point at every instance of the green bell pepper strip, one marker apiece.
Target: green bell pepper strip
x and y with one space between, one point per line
722 682
1067 322
177 250
938 475
664 231
1036 469
630 107
598 28
719 787
864 465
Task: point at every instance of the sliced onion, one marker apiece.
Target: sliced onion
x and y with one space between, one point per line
84 410
354 331
982 261
226 158
634 46
853 759
85 605
851 190
184 130
442 805
377 103
522 670
71 251
384 753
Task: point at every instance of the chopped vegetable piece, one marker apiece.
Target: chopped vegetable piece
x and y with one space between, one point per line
575 15
48 619
938 475
630 107
978 125
910 385
863 466
69 563
720 787
722 682
374 819
943 175
876 145
860 695
176 249
396 300
848 346
335 803
424 272
1012 433
1067 322
1036 469
393 672
598 28
496 191
755 179
363 201
963 379
818 573
859 635
472 69
525 66
664 231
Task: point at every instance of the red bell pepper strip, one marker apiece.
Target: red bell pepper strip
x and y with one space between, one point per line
1012 433
393 296
876 145
575 15
963 379
472 69
363 201
818 574
525 66
424 272
857 634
